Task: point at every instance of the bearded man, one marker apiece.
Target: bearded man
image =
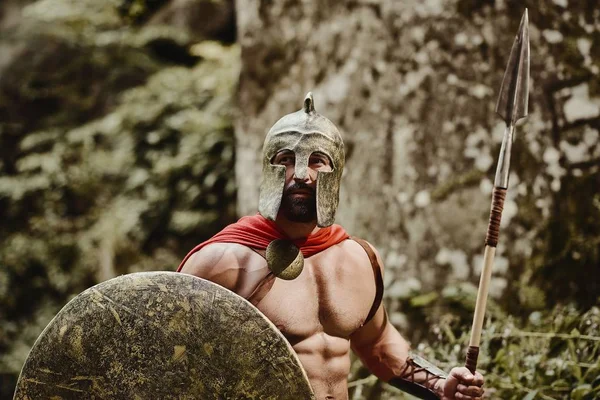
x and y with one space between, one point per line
320 287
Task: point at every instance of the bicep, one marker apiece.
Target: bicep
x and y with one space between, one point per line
378 332
378 343
373 329
380 346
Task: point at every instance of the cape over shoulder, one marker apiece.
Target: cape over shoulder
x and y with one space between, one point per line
257 232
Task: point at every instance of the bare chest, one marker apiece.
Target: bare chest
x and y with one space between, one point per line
333 295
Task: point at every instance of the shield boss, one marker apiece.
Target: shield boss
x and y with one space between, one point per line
161 335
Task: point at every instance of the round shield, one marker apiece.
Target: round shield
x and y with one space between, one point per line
161 335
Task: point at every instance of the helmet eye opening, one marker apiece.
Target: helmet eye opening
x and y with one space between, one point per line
317 160
284 157
320 161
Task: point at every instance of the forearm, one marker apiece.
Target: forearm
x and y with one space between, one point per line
390 360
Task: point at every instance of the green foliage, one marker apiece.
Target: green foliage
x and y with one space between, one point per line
139 10
538 355
557 354
552 355
116 156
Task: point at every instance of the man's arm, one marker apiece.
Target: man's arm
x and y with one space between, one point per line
386 354
384 351
380 347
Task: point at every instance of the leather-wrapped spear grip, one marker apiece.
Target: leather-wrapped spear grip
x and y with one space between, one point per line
491 238
512 106
491 241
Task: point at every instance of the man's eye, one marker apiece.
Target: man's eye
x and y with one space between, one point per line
285 160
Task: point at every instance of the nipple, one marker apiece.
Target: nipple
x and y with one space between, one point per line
284 259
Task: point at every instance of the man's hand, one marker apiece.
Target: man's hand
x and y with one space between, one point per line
461 384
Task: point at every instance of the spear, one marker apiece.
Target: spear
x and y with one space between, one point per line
511 106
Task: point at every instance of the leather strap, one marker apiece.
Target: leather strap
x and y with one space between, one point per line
260 252
378 277
265 285
406 381
262 289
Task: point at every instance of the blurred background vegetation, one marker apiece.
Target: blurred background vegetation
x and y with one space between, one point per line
130 131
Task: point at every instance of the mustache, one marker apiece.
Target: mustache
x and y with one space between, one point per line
299 186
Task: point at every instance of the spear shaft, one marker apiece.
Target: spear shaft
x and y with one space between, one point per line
512 106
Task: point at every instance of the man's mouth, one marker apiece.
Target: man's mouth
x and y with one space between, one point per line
298 190
301 193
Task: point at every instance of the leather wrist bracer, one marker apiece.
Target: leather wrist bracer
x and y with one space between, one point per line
422 387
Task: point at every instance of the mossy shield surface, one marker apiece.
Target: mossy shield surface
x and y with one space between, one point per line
161 335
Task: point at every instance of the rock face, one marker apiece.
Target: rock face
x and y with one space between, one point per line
412 85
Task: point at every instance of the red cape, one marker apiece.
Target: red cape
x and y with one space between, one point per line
257 232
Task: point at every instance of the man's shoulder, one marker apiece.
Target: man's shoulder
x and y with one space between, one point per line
227 264
361 251
355 244
217 253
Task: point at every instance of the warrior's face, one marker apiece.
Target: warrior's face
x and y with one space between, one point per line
299 203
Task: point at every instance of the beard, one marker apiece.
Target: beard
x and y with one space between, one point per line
299 209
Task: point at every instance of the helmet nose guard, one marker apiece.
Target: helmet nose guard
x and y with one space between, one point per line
301 167
304 133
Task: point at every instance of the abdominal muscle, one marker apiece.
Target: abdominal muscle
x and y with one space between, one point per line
326 361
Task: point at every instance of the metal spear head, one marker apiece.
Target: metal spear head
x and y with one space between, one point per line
514 92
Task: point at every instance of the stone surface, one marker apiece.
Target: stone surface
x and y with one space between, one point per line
213 20
161 335
413 85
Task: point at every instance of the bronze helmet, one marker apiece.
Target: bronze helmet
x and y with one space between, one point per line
303 132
